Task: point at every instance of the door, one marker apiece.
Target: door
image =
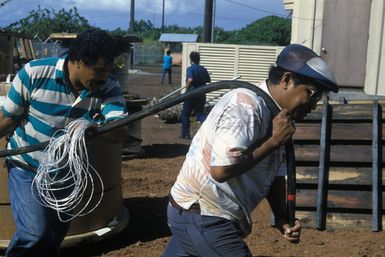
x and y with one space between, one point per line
345 35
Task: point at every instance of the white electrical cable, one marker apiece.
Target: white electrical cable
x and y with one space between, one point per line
64 178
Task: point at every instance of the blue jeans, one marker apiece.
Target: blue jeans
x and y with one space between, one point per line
204 236
39 232
164 71
196 104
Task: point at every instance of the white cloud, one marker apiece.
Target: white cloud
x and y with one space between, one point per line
230 14
146 6
171 6
107 5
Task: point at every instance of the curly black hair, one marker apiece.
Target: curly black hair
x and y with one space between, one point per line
195 57
276 73
92 44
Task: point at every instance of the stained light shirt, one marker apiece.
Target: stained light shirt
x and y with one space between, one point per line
236 120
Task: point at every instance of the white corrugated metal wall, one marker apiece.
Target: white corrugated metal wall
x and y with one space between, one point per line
225 62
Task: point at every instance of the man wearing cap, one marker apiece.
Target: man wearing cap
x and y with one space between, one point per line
235 160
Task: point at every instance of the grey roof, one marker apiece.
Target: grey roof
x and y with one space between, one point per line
172 37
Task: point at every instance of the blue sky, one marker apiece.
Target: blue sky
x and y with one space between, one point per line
110 14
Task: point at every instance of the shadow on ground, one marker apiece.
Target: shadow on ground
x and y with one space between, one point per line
148 221
165 150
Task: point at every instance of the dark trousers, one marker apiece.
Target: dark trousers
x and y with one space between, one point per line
164 71
204 236
197 105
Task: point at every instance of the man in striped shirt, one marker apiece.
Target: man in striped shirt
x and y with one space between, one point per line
44 97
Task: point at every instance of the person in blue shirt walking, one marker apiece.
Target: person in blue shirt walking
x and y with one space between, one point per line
167 66
45 96
196 76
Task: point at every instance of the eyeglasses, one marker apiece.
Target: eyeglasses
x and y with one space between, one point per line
315 96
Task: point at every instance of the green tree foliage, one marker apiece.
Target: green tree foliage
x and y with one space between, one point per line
41 23
270 30
2 3
143 29
150 34
221 35
118 32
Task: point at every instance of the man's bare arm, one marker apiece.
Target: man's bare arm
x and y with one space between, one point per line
7 125
188 83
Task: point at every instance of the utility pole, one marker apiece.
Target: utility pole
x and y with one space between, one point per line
132 17
208 20
213 22
163 17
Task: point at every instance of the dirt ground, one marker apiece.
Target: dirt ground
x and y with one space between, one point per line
147 181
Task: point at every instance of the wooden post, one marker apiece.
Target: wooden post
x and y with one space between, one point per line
162 30
132 17
376 167
323 178
208 19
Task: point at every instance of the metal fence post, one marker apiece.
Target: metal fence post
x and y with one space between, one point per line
376 167
323 178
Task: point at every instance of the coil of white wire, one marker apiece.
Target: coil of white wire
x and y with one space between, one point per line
65 180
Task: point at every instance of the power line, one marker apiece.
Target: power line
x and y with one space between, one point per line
234 19
188 13
255 8
220 17
195 13
270 12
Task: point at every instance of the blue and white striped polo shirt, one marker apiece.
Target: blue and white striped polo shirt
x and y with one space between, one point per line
41 102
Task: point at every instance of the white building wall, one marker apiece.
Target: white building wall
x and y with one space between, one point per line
375 66
307 30
226 62
306 26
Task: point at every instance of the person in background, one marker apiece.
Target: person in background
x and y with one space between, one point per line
45 95
167 67
196 77
235 160
16 67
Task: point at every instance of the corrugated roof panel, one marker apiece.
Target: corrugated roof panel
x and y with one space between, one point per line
174 37
214 65
254 63
251 66
213 47
224 62
219 61
258 60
